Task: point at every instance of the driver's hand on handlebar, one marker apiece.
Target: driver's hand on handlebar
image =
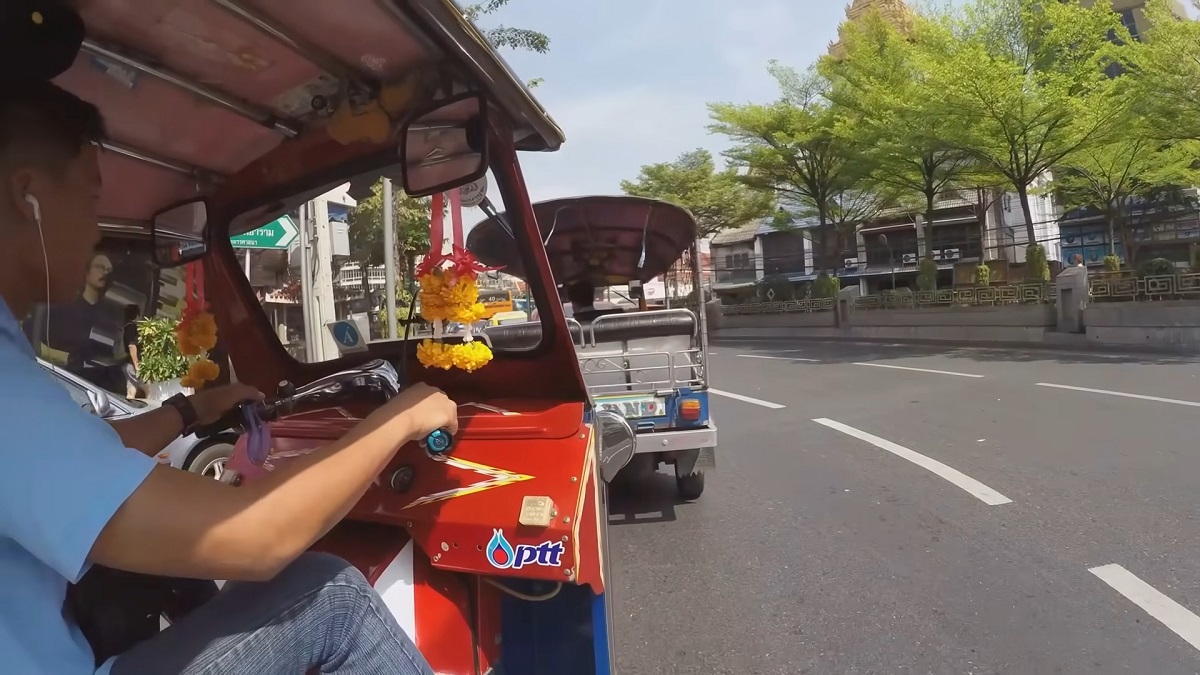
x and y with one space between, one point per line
212 404
426 409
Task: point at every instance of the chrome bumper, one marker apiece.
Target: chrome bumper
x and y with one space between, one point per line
684 439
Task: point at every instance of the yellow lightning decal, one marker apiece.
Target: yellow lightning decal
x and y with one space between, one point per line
493 478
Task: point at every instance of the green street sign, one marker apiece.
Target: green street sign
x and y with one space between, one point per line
277 234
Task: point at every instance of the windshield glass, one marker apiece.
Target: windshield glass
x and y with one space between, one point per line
95 336
336 241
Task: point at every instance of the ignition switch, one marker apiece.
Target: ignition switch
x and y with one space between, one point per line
402 479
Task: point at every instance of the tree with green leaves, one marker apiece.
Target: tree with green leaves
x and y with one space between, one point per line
1023 86
410 218
1107 177
717 199
520 39
501 37
1167 65
788 148
887 112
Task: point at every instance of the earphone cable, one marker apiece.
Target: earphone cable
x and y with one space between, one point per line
46 308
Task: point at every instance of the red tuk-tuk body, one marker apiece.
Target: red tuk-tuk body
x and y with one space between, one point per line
254 106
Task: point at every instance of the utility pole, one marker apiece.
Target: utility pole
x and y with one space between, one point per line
325 310
389 259
310 336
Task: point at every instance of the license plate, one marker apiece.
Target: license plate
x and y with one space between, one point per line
634 407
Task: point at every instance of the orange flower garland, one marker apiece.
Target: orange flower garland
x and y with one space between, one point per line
196 335
449 293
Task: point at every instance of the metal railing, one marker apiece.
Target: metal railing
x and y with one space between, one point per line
1104 287
645 372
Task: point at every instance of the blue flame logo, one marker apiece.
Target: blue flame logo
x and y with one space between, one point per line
499 543
502 555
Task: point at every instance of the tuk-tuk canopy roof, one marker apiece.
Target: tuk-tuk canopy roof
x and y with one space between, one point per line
607 240
195 91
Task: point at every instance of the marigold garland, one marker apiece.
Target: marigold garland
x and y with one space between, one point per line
449 293
196 335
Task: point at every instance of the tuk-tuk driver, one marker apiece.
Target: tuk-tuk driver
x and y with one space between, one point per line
77 491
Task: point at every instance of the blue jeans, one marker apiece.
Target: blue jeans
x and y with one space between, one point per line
318 615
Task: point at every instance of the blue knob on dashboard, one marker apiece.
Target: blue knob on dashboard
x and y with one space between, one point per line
438 442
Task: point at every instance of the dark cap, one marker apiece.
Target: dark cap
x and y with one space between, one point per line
44 36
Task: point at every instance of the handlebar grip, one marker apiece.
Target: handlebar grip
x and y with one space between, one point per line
438 442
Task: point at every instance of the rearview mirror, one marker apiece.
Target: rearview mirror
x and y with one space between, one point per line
179 234
100 403
444 147
618 442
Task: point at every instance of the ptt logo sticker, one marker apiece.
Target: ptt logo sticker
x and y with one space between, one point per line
503 556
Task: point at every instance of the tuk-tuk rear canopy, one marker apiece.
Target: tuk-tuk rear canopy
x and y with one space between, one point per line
608 240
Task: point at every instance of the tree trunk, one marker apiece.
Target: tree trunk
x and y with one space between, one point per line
1110 219
980 210
929 197
1027 212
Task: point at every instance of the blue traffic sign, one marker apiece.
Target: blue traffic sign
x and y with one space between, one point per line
346 334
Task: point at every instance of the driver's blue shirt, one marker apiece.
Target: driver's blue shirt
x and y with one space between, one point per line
66 472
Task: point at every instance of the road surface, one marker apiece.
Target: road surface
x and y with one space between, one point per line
913 509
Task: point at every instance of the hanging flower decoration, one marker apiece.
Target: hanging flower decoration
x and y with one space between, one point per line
196 335
449 293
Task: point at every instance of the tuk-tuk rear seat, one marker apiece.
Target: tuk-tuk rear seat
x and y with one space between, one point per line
526 335
626 327
643 325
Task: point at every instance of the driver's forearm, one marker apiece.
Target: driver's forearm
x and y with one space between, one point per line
297 505
181 524
150 432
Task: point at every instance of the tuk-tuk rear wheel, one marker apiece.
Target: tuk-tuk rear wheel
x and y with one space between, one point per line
690 486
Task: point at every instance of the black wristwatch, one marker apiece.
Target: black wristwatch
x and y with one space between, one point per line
187 412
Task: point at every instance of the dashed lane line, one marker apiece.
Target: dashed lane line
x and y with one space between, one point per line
777 358
980 491
746 399
1171 614
1143 397
917 370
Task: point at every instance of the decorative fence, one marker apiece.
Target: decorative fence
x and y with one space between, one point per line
965 296
1163 287
780 306
1117 287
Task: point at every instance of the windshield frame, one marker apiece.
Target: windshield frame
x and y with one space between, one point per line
317 184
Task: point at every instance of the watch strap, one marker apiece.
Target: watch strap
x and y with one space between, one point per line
187 412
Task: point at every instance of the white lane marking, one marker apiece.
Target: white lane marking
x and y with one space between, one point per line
746 399
776 358
1173 615
984 493
919 370
1143 397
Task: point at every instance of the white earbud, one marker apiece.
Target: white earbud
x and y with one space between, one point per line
37 208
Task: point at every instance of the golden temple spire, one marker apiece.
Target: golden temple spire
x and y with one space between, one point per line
896 12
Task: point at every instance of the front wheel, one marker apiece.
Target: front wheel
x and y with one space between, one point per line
211 460
690 486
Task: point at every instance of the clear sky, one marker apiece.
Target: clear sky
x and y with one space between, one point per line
628 80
